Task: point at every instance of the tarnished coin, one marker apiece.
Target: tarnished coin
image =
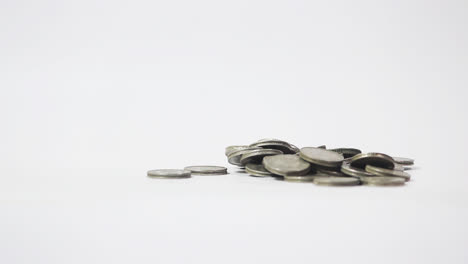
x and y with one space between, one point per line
404 161
347 169
347 152
286 164
374 159
337 181
235 156
386 172
321 157
169 174
257 170
256 156
231 149
383 181
207 170
284 146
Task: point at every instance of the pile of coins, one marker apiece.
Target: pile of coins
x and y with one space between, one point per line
331 167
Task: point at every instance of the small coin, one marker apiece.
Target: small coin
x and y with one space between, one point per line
231 149
374 159
235 156
347 152
386 172
169 174
347 169
284 146
383 181
207 170
303 178
337 181
404 161
256 156
286 164
321 157
257 170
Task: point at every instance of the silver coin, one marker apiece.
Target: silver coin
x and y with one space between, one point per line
322 147
337 181
256 156
303 178
286 164
284 146
235 156
207 170
386 172
374 159
404 161
321 157
399 167
169 174
347 169
331 172
383 181
347 152
231 149
257 170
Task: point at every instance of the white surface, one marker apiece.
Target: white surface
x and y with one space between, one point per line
94 94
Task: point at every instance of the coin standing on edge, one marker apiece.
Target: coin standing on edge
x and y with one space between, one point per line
256 156
207 170
286 164
374 159
169 174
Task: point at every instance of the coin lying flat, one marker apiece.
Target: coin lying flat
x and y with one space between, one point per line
321 157
386 172
404 161
169 174
331 172
337 181
383 181
257 170
347 169
374 159
235 156
256 156
231 149
286 164
207 170
303 178
347 152
322 147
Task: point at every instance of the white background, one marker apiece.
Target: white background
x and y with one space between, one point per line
95 93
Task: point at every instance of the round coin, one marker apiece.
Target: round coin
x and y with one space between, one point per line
257 170
386 172
347 152
286 164
235 156
303 178
337 181
347 169
383 181
256 156
207 170
231 149
404 161
374 159
169 174
284 146
321 157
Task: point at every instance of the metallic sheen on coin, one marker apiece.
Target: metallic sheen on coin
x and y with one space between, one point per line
235 156
386 172
374 159
383 181
347 152
286 164
169 174
337 181
404 161
207 170
284 146
321 157
347 169
257 170
256 156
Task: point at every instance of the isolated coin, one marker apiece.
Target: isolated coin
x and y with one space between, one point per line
386 172
347 169
207 170
169 174
256 156
337 181
404 161
374 159
321 157
286 164
383 181
347 152
257 170
235 156
231 149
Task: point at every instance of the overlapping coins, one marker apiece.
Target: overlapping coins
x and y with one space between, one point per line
331 167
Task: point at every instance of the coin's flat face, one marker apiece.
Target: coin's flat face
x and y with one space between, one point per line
404 161
383 181
231 149
169 174
337 181
374 159
321 157
347 169
235 156
386 172
286 164
207 170
257 170
347 152
256 156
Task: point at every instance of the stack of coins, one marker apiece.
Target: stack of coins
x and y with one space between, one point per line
330 167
